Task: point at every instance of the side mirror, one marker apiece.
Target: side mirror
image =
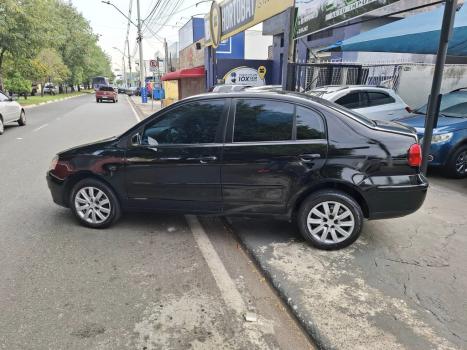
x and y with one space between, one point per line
136 139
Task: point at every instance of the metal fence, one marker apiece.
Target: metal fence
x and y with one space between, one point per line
309 76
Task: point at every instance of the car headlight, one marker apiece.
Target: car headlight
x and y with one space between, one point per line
438 138
53 163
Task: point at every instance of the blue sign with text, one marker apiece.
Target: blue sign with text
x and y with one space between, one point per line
144 95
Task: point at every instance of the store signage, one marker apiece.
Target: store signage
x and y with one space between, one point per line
234 16
245 76
316 15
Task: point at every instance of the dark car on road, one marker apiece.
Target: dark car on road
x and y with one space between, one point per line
448 149
286 155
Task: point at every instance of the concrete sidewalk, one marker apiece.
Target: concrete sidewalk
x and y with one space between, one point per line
145 109
402 285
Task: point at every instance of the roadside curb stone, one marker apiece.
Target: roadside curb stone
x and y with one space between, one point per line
321 341
51 101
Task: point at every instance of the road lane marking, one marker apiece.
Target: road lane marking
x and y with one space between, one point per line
40 127
226 285
133 109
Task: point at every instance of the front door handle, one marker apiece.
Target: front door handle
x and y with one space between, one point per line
308 158
204 160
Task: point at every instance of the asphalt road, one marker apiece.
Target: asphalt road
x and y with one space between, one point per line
150 282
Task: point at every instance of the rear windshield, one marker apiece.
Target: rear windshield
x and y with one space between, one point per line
106 88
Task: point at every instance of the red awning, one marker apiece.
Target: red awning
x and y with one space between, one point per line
196 72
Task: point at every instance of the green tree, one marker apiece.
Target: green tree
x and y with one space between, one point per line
49 66
17 84
24 28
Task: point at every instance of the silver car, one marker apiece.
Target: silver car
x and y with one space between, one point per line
10 111
374 102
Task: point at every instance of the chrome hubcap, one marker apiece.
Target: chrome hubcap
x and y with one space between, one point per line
92 205
461 163
330 222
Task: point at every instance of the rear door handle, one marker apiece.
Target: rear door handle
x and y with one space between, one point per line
308 158
204 160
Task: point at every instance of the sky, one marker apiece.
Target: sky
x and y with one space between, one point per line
111 25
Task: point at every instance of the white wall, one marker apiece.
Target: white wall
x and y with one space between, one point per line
415 81
256 45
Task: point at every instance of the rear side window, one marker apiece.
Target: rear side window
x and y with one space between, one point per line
310 125
106 88
379 98
350 100
263 120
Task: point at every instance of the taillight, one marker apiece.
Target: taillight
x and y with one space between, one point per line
414 156
408 109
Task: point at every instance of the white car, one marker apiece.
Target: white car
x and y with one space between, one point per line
10 111
376 103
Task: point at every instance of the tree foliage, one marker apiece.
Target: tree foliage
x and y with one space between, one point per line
48 39
17 84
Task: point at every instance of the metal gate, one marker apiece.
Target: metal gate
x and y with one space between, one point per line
308 76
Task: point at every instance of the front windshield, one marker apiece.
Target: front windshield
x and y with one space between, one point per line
453 104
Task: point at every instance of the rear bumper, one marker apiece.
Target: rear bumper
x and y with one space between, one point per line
391 201
57 190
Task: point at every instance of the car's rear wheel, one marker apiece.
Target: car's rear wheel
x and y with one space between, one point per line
456 166
2 127
22 119
330 219
94 204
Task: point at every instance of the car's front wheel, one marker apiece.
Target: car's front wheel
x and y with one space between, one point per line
456 166
94 204
2 127
22 119
330 219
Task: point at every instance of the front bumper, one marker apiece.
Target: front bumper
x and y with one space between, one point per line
391 201
57 189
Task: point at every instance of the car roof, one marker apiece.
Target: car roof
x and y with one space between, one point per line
335 88
290 96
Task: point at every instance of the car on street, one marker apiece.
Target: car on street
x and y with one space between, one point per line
10 112
448 149
377 103
50 89
106 93
121 89
282 154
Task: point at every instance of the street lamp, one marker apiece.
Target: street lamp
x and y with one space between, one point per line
123 65
139 39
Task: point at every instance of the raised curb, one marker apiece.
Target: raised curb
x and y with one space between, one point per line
52 101
307 324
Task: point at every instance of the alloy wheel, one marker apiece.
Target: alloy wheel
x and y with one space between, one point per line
461 163
330 222
92 205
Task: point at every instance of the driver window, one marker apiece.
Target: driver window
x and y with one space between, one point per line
191 123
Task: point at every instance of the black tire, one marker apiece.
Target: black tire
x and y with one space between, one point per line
453 167
97 100
22 119
327 226
2 126
114 210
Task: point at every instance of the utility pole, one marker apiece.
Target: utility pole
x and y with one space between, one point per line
434 100
129 63
166 57
140 42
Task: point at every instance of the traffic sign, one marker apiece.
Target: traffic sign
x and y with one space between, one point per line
153 65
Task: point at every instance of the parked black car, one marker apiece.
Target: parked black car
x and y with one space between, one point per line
283 154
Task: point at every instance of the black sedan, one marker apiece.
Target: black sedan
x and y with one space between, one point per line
282 154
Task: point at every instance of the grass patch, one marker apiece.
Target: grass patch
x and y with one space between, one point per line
32 100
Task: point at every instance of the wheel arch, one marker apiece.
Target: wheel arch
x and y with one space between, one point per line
82 175
333 185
